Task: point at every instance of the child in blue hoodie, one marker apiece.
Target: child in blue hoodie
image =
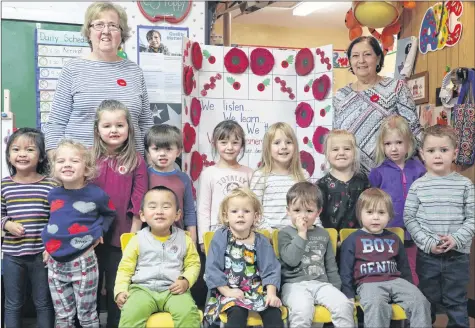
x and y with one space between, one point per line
396 172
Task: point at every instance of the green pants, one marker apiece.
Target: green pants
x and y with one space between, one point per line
142 303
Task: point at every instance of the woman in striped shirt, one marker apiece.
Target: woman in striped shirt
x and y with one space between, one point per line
25 212
85 82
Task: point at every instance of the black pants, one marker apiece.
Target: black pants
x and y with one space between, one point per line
237 317
108 257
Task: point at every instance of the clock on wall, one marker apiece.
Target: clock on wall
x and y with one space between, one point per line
169 11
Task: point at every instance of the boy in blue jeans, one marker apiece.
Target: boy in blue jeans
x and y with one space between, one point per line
439 215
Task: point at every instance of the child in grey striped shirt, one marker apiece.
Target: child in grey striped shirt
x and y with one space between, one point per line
439 215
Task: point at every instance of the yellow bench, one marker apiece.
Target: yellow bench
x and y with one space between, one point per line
398 311
254 319
160 319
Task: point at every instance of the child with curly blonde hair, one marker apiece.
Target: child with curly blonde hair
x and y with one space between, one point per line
242 271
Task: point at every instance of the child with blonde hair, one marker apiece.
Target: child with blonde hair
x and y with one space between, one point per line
123 176
343 183
242 271
80 215
373 264
396 172
280 169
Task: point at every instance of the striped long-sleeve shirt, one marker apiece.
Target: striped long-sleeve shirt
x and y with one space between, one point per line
441 205
82 86
27 204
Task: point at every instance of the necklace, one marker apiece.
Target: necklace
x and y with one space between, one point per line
237 238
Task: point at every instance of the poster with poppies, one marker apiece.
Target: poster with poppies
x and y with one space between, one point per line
256 87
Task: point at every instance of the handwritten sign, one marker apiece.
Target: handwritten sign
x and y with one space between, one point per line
170 11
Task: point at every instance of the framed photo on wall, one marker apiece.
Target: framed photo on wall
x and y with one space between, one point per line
419 86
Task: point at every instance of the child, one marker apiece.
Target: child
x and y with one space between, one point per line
309 270
164 143
25 213
81 213
343 184
218 180
242 271
373 261
123 176
396 172
158 267
439 215
279 170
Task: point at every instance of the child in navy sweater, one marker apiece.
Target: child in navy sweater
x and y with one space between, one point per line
80 215
373 261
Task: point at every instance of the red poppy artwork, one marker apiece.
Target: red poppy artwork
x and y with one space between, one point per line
195 111
262 61
321 86
286 62
196 56
236 85
209 56
304 62
304 115
236 61
325 110
188 79
262 86
307 86
318 138
196 165
308 163
189 137
284 88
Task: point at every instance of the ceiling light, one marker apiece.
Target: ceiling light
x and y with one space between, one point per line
306 8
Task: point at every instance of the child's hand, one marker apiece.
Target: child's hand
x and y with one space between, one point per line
99 241
301 225
45 256
235 293
121 299
273 300
437 249
15 228
448 242
179 286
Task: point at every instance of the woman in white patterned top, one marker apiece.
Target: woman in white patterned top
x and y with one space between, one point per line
85 82
361 107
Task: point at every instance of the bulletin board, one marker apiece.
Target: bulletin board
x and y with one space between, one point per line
256 87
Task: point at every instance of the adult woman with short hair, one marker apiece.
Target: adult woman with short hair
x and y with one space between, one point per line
85 82
361 107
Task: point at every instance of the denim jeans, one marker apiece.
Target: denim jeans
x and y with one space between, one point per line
443 279
16 271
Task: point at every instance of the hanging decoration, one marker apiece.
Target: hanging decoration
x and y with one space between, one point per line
376 14
262 61
172 12
437 30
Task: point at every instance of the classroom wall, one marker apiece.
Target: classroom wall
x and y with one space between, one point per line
461 55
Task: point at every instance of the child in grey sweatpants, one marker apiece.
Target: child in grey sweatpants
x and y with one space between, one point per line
374 261
309 270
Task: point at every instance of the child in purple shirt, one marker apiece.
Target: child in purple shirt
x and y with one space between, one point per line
123 176
396 173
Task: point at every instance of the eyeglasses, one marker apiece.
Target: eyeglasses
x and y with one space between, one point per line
100 26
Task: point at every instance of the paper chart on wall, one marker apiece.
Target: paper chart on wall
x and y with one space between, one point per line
159 54
279 94
53 50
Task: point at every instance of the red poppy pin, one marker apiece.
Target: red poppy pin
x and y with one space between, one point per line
318 138
196 56
304 62
189 137
236 61
374 98
188 78
121 82
262 61
321 86
308 163
195 111
304 115
196 165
